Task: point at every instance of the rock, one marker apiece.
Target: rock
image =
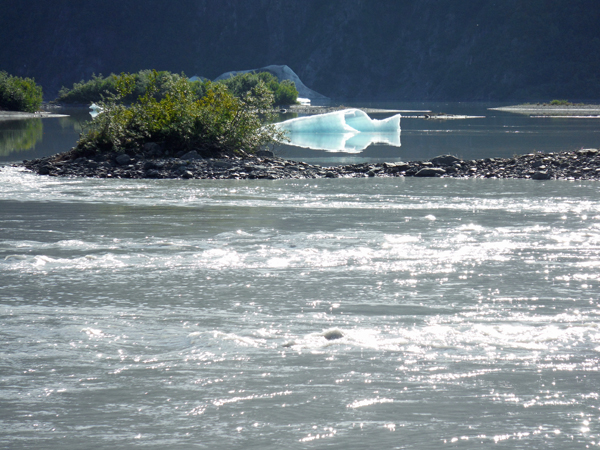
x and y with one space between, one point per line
563 165
123 159
430 172
332 335
265 154
152 173
395 167
152 150
191 156
221 164
541 175
44 170
445 160
150 165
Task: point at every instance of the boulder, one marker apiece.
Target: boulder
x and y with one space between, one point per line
44 170
445 160
541 175
191 156
430 172
152 173
332 335
123 159
152 150
265 154
396 167
221 164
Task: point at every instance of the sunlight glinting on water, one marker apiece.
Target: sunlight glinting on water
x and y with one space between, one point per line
460 311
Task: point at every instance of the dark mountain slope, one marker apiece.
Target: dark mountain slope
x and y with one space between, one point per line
408 50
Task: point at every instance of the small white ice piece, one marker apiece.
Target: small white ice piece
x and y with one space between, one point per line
95 110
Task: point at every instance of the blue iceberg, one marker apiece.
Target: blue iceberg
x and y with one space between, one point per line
350 131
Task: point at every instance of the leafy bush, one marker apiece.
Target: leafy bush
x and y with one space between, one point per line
98 87
215 124
285 93
560 103
88 91
19 94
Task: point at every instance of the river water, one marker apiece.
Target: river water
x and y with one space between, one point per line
194 314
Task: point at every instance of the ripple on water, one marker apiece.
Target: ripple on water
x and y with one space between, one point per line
168 316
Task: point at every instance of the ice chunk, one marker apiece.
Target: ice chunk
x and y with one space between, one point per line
350 130
334 122
359 120
95 110
347 120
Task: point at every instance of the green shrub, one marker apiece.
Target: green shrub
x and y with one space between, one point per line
98 87
284 93
88 91
19 94
560 103
215 124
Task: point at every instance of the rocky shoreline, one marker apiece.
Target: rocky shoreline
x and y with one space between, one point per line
574 165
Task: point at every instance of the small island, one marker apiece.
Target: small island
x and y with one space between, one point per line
159 125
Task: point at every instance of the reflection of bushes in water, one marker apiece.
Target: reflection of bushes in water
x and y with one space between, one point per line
19 135
73 123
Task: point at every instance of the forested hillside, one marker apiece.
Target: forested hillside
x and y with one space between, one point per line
385 49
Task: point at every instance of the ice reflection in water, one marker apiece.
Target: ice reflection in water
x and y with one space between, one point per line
342 142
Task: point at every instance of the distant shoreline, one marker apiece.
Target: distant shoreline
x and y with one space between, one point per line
16 115
406 113
52 110
552 110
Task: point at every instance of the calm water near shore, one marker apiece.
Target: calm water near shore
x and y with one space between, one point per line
499 134
192 313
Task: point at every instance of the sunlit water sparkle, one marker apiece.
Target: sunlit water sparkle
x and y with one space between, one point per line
193 314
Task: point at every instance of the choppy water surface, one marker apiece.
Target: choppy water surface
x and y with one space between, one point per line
191 314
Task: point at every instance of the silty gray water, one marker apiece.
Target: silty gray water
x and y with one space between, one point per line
162 314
